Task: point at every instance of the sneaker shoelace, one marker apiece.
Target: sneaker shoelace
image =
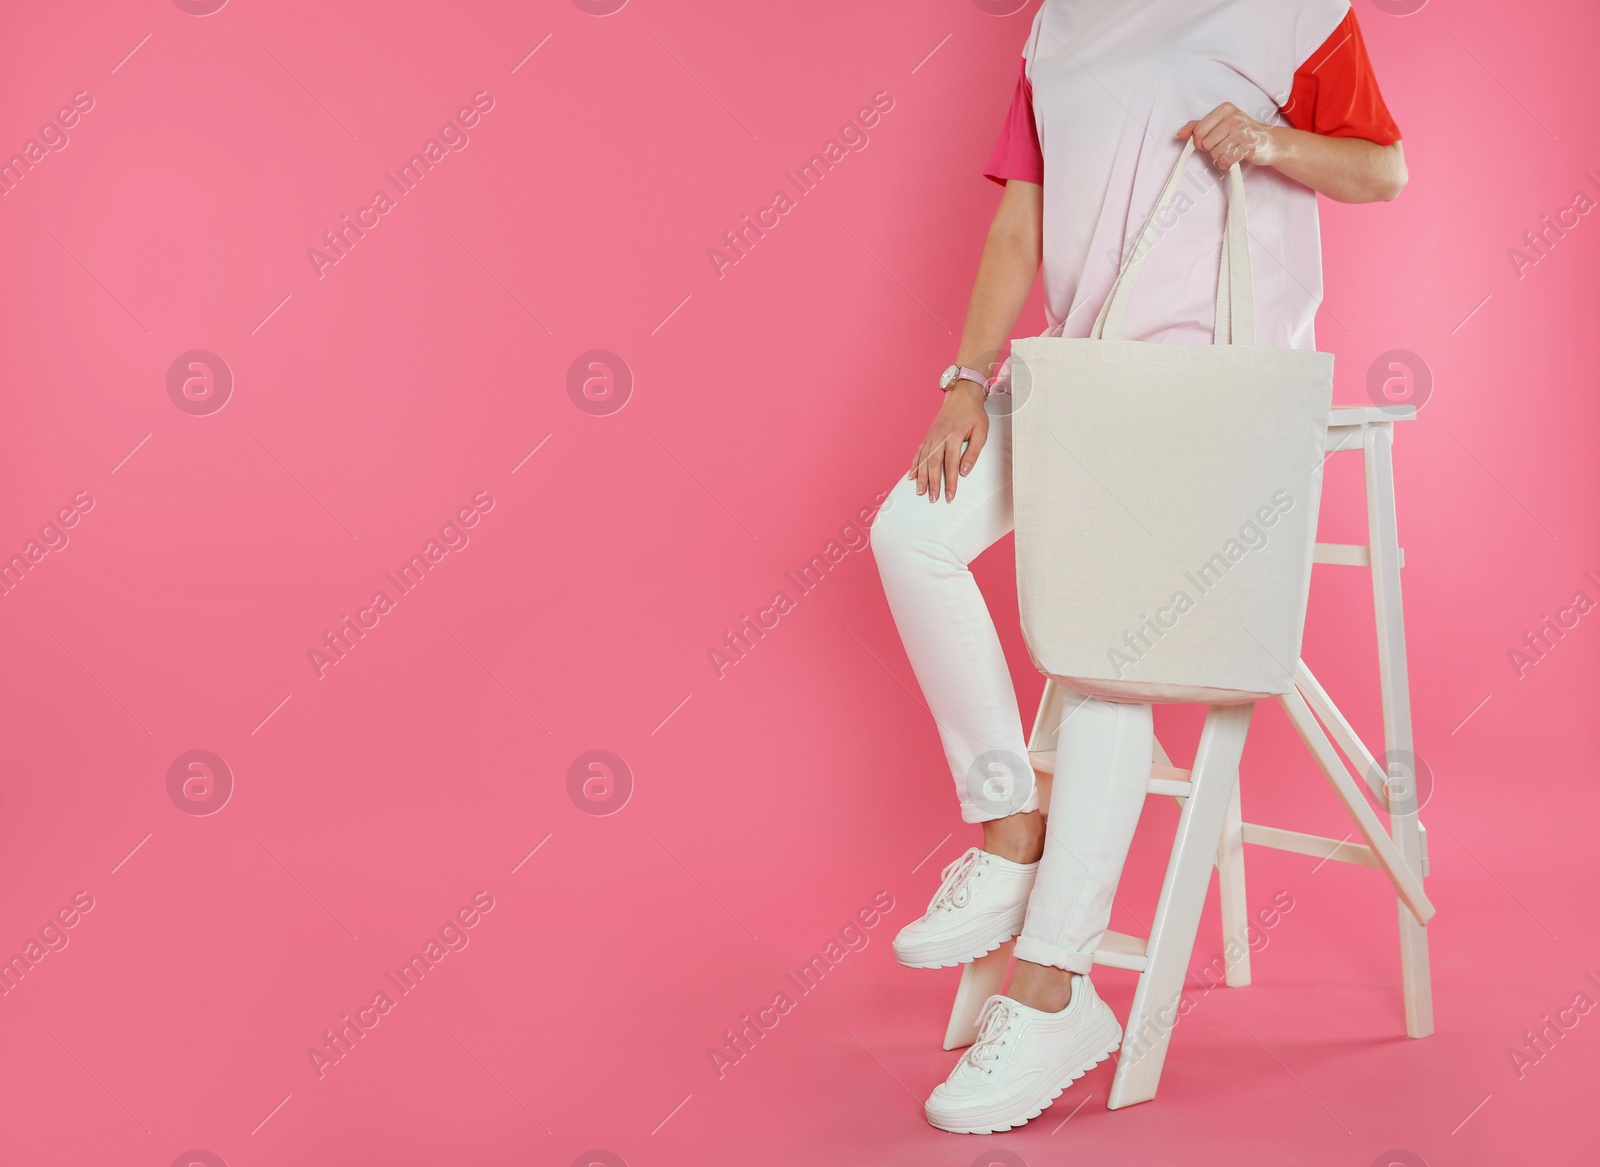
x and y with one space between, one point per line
956 888
992 1027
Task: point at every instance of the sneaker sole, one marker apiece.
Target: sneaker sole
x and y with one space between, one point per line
968 958
944 959
1024 1110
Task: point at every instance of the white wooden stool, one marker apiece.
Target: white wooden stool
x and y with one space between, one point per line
1211 830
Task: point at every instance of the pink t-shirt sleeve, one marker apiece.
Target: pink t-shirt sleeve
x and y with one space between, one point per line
1017 153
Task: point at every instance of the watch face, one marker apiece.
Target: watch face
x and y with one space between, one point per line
948 377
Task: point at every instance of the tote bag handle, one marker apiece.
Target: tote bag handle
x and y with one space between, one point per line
1235 312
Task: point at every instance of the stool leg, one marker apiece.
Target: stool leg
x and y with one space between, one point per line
1047 720
1230 883
1183 894
1384 543
1408 885
980 980
1045 736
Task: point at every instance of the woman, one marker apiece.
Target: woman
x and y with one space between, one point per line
1107 93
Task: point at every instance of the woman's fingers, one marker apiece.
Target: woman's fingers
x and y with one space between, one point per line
1227 133
1214 142
1209 130
952 465
925 457
975 443
930 464
949 451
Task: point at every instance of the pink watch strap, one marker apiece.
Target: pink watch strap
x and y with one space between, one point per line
965 374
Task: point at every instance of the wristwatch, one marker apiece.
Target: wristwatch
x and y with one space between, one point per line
961 373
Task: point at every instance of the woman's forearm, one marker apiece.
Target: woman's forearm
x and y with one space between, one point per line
1350 170
1006 272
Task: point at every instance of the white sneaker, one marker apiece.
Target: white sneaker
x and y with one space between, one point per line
977 908
1023 1059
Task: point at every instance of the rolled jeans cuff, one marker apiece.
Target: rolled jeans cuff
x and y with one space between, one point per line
1038 952
985 811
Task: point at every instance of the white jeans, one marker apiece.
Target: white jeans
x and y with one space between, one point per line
1104 756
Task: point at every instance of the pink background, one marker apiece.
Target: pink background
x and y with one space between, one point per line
768 408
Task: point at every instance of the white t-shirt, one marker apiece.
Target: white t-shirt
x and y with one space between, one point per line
1112 82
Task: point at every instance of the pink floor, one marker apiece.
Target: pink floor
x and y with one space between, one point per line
220 444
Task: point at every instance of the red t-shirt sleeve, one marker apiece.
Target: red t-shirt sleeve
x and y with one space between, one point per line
1017 153
1335 91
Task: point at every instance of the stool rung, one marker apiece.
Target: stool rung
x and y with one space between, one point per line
1348 423
1317 846
1119 950
1164 779
1349 554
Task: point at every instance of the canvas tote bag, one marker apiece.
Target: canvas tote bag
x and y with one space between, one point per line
1166 495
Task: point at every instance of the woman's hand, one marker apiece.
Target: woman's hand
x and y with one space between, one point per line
1351 170
940 458
1230 135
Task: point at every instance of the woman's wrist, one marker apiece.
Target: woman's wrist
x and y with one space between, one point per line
966 391
985 362
1273 144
